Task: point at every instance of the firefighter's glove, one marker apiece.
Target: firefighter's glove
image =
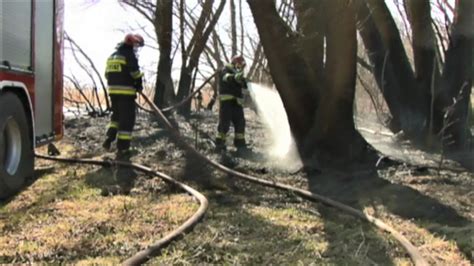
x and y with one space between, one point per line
239 77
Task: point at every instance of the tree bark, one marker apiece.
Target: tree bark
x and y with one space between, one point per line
424 52
456 82
384 74
195 49
442 100
408 103
287 67
233 28
423 41
312 26
320 111
334 134
220 65
164 89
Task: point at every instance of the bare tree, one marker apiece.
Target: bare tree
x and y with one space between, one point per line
457 76
159 13
190 56
94 100
419 96
233 27
324 128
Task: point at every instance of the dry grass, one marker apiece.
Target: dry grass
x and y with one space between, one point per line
62 217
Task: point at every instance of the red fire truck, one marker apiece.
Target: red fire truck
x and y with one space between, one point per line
31 80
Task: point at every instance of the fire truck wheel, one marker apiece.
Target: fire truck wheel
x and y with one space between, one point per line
16 149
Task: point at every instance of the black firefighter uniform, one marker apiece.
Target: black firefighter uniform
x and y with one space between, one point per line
231 106
124 79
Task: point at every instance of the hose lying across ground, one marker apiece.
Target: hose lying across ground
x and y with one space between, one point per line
410 248
154 249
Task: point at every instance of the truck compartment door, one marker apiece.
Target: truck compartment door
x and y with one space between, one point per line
15 34
43 68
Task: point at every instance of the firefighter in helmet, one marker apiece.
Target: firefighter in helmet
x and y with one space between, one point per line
124 80
232 81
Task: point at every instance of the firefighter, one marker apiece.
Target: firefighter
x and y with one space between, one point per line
232 81
124 80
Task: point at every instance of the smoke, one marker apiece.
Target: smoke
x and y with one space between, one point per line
281 151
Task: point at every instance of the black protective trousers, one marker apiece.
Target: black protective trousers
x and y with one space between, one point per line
231 112
122 120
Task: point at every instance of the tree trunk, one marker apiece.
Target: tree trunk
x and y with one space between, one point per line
312 26
287 67
320 112
456 82
184 87
384 74
164 91
423 42
233 28
424 51
199 39
334 134
220 65
440 100
413 113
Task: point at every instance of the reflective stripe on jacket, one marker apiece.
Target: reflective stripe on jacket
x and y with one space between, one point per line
229 97
122 90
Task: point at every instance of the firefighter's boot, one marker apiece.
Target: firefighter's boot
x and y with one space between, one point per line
126 154
220 144
107 144
244 151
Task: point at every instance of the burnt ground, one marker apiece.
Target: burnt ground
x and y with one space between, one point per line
245 223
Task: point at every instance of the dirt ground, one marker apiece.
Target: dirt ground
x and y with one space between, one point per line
68 213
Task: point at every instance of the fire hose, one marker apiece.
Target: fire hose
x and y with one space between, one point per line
155 248
146 254
175 135
189 97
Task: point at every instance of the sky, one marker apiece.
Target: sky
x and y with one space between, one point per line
98 25
97 28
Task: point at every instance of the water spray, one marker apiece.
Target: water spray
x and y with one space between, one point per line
282 148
